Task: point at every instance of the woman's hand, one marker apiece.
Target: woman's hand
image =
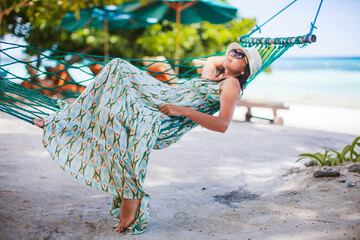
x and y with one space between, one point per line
211 65
172 110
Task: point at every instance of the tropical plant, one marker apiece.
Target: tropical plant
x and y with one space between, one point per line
197 39
350 153
37 23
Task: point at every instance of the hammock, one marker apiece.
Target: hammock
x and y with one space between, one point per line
39 92
31 88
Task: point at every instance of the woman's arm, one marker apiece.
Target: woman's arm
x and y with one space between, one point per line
228 99
211 65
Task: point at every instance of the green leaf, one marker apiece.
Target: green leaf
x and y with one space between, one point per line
333 161
354 143
344 152
307 155
299 159
321 158
357 139
338 155
316 156
353 154
356 155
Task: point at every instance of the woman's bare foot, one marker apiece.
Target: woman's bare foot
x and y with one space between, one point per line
38 122
128 213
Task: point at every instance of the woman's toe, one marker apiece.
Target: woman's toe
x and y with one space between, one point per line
119 229
38 122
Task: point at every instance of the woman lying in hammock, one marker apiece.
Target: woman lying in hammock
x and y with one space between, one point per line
105 137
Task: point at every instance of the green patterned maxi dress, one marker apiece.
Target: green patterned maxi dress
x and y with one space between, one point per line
105 137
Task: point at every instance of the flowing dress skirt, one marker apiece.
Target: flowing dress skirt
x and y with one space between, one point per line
104 138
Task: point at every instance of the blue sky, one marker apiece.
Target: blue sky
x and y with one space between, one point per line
338 24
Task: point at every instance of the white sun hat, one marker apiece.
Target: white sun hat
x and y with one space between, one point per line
252 55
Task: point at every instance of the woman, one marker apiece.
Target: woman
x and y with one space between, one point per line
105 137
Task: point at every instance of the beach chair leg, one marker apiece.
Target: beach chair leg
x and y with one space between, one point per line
248 115
274 112
278 120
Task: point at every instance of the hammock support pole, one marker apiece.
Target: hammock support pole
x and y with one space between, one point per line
286 40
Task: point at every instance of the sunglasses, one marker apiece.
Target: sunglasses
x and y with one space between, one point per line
237 55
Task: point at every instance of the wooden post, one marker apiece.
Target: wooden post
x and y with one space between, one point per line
178 7
177 37
106 39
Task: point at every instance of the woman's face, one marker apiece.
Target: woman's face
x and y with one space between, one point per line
235 62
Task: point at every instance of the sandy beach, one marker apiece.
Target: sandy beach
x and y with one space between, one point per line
243 184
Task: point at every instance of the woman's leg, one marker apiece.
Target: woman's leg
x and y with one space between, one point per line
128 213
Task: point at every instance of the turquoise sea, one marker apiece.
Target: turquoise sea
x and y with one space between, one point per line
320 81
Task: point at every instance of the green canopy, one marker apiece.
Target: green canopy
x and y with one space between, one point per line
107 18
188 11
184 12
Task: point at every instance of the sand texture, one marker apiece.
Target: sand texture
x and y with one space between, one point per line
243 184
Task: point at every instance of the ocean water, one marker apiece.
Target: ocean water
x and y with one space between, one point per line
317 81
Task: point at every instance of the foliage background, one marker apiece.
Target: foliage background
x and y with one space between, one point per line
37 22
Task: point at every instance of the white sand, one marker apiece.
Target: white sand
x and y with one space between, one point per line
276 197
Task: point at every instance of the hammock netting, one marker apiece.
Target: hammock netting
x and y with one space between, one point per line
30 88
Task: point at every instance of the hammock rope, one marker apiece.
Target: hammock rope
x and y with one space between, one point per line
27 96
258 28
313 23
35 87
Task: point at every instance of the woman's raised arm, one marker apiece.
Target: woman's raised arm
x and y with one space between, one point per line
211 65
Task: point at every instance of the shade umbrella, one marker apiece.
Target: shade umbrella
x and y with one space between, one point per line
107 18
186 12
